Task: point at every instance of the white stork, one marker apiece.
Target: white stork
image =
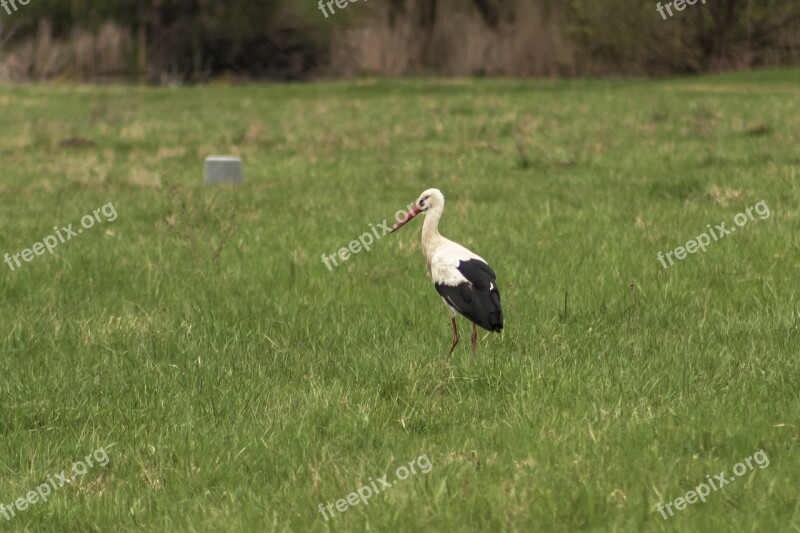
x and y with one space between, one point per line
463 279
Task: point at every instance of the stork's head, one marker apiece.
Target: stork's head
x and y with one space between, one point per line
430 199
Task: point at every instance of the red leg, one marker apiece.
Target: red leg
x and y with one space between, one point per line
474 338
455 338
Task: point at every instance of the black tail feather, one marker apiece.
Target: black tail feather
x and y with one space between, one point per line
480 306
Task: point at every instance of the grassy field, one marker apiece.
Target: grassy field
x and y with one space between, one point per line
236 383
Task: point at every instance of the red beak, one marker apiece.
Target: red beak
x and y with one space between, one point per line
411 214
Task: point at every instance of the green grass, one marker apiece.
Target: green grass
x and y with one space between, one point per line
236 383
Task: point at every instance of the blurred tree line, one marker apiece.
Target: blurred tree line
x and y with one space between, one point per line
162 41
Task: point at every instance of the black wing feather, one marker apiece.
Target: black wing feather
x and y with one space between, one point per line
479 299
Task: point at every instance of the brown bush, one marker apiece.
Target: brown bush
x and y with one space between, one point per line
194 40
